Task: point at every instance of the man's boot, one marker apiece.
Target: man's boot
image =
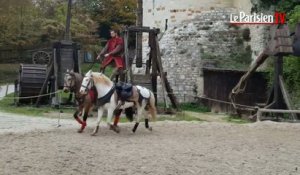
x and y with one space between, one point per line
102 69
113 74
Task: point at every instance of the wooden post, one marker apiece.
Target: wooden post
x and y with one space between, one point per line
68 21
7 85
48 75
78 61
286 97
161 71
260 111
127 62
153 55
258 116
277 91
55 68
139 35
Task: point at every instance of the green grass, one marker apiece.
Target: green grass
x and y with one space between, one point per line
236 120
193 107
7 105
180 116
95 68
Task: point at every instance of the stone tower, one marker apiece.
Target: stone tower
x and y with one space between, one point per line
192 30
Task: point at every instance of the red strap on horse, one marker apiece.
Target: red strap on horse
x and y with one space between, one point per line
83 125
117 119
79 120
92 94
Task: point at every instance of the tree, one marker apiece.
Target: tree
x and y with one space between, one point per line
111 14
24 24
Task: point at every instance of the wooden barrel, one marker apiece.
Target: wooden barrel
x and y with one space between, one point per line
31 79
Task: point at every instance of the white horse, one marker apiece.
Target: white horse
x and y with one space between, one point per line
108 99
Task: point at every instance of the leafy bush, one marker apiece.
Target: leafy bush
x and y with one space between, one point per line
291 76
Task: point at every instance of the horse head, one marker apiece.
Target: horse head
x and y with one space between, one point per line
101 82
86 84
69 81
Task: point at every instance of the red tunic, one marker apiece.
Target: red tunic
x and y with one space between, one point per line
112 44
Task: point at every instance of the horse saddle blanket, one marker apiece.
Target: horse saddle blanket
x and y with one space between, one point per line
106 98
124 90
145 93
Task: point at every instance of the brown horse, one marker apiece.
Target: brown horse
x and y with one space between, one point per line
72 83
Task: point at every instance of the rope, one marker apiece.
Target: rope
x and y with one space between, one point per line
35 96
226 102
215 100
201 97
239 88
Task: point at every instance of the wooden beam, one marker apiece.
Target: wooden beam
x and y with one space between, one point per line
153 55
166 85
286 97
141 29
279 111
44 86
171 94
260 111
278 71
127 62
55 75
139 35
160 70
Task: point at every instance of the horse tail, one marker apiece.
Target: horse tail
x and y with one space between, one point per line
152 107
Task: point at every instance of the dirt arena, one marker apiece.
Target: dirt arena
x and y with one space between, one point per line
171 148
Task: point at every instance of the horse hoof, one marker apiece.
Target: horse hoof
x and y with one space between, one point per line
117 129
150 128
80 131
94 134
114 128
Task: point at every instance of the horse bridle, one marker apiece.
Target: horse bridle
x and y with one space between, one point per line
86 88
73 79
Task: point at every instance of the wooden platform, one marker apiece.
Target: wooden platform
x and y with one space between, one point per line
143 80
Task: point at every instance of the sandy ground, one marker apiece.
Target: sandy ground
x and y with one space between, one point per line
171 148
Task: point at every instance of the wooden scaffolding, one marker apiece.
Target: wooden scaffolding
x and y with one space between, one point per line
154 66
280 45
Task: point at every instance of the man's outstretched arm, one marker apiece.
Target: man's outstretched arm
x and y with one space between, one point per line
103 51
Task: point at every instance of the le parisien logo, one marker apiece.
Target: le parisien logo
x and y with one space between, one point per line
258 18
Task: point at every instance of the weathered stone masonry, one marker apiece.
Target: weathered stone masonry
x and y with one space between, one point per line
195 29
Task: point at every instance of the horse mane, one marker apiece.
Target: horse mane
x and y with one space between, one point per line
78 76
101 78
78 80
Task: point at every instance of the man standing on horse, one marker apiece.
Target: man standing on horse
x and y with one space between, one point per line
113 52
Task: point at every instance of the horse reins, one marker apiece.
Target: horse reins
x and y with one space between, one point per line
92 65
87 86
71 87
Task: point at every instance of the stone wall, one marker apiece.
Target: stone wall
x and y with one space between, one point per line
184 49
258 33
197 30
158 13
